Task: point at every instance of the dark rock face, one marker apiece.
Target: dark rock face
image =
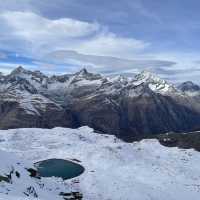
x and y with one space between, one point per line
189 86
13 116
129 109
190 140
130 118
101 116
158 114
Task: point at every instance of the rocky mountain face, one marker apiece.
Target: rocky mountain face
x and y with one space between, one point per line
126 107
189 86
22 105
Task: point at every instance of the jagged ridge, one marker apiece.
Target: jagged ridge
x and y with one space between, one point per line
126 107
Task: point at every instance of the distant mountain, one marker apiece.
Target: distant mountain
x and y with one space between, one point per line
190 88
126 107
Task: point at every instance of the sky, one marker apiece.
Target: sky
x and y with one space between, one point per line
108 37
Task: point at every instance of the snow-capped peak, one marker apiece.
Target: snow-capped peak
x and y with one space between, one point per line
147 76
18 70
35 78
154 82
82 72
84 75
120 79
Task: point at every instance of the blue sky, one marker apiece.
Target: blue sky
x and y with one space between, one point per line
111 37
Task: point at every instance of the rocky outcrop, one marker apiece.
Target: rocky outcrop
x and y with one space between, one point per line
189 86
13 115
134 116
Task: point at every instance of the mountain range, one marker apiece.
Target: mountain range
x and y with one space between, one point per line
126 107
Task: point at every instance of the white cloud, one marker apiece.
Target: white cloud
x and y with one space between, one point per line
29 34
109 44
105 64
38 35
31 26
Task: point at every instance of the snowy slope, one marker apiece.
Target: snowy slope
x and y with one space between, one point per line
21 186
37 82
155 83
114 170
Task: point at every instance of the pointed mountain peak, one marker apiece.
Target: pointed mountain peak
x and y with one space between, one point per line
154 82
148 76
84 74
83 71
21 73
19 69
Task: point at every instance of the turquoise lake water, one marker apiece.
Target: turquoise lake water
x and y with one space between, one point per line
59 168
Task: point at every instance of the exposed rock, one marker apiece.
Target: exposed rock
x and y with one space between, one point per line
128 108
189 86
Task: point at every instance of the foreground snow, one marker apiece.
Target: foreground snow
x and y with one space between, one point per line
20 186
114 170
